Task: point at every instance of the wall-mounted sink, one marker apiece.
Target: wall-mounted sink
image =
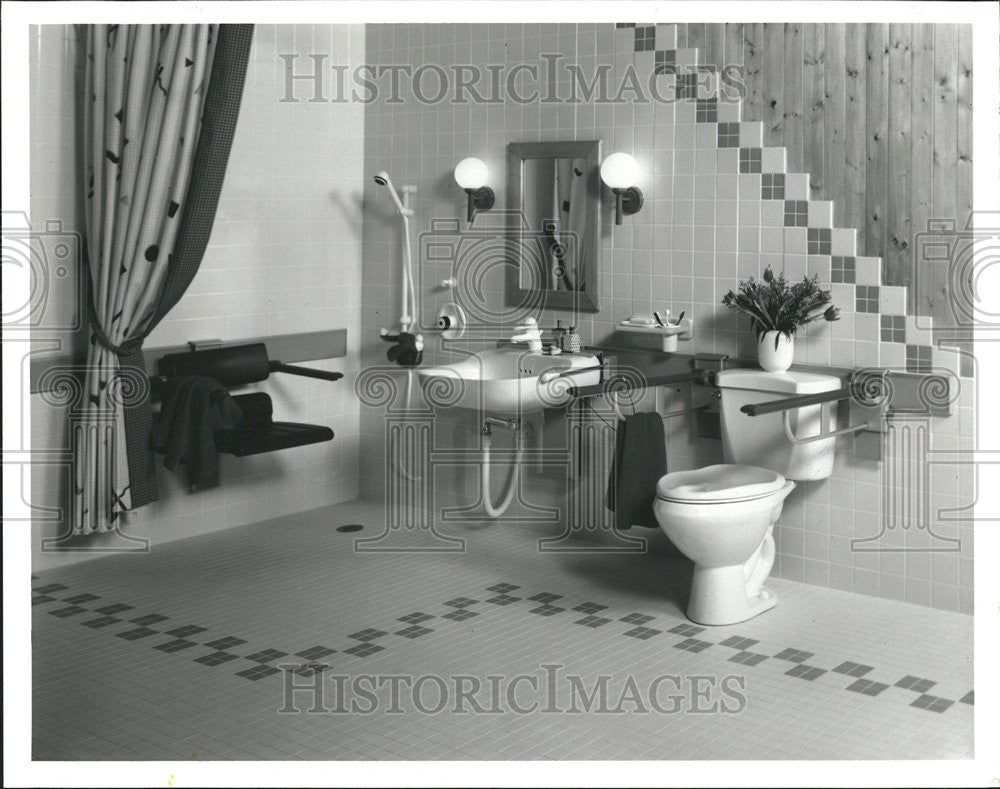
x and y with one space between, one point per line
509 381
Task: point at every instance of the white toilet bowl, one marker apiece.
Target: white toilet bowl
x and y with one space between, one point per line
721 517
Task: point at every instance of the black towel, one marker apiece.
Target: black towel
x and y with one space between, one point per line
194 407
640 460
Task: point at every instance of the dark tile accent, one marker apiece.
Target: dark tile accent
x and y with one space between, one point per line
589 608
502 588
866 297
642 633
685 629
687 86
315 653
852 669
916 684
623 25
796 213
502 599
893 328
364 649
266 655
738 642
918 358
665 61
311 669
149 619
748 658
818 238
804 671
932 703
546 610
545 597
416 618
706 111
592 621
62 613
461 602
867 687
258 672
137 633
216 658
461 614
368 634
693 645
794 655
968 698
187 630
843 268
102 621
728 135
176 645
81 598
750 160
636 618
116 608
49 588
772 186
225 643
414 631
645 38
41 598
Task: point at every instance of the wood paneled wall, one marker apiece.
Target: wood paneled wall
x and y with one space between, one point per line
879 115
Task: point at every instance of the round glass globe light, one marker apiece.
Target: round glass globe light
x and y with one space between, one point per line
620 171
471 173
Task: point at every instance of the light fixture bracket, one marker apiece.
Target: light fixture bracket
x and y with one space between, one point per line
627 201
481 199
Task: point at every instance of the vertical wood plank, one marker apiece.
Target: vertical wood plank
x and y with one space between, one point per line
793 113
696 37
733 45
715 45
963 138
877 94
753 68
855 137
732 58
813 104
921 152
834 153
682 35
773 84
896 265
945 203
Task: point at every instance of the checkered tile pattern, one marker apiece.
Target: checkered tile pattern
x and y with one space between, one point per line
796 213
645 38
728 135
819 240
918 358
843 269
665 61
707 111
772 186
893 328
750 160
866 299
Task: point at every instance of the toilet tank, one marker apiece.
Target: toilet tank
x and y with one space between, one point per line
761 440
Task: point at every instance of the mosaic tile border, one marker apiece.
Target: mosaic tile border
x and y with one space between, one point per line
459 609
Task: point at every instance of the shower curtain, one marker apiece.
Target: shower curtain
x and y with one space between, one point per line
159 112
570 206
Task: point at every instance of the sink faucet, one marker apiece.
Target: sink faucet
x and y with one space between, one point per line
529 333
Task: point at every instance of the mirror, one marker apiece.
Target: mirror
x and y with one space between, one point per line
555 187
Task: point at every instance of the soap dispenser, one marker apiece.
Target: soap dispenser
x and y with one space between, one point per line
574 341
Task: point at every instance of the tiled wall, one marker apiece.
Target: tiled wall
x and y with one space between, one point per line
284 257
720 206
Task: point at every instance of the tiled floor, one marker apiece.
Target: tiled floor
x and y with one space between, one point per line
185 653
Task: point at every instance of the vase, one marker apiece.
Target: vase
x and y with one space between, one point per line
775 350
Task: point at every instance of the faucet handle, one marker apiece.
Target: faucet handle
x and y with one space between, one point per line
529 325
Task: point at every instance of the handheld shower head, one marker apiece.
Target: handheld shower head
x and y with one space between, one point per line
382 179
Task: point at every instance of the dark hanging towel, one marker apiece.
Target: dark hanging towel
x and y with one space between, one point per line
640 460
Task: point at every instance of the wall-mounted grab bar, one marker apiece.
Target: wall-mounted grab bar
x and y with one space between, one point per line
307 372
787 405
621 383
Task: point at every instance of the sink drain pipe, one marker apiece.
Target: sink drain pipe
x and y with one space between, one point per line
513 425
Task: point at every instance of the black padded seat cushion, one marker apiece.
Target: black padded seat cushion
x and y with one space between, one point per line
257 433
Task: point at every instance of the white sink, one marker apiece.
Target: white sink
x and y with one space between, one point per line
508 381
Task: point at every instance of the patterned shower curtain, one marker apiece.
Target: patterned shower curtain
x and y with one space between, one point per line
160 111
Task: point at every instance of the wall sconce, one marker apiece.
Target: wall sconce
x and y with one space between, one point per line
471 174
620 172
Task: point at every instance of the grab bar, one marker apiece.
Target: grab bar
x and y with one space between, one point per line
306 372
618 383
787 405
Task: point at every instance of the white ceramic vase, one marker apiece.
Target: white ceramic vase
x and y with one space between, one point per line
775 351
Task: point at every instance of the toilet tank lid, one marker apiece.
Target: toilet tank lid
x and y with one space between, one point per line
791 382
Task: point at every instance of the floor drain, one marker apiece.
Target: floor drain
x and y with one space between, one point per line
350 527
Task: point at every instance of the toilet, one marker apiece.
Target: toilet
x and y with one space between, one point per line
722 516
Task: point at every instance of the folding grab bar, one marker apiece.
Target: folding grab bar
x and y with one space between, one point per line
618 383
822 399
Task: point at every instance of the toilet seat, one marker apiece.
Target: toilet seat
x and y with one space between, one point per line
722 483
